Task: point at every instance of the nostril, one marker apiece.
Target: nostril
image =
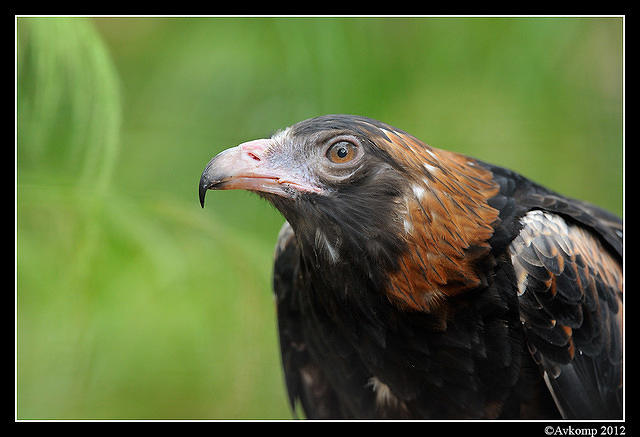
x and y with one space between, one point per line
254 149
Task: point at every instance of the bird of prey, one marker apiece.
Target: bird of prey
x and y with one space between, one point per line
412 282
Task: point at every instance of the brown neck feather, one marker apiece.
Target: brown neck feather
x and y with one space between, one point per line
447 225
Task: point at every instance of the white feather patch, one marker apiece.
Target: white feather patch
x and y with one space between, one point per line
430 167
322 243
384 395
418 191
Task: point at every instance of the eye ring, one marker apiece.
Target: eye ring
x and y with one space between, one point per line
342 152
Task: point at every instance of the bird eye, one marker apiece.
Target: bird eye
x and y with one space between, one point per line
341 152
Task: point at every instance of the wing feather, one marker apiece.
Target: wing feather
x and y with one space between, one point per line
570 297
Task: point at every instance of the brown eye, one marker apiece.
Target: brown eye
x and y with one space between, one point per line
341 152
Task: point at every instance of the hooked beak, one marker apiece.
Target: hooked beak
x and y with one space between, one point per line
244 167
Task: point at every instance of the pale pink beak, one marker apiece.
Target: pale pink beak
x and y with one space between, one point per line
244 167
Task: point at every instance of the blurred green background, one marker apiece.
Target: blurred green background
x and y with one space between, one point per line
133 302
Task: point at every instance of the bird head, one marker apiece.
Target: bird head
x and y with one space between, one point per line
330 179
364 196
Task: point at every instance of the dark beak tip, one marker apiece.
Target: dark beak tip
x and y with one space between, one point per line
202 192
203 186
207 180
